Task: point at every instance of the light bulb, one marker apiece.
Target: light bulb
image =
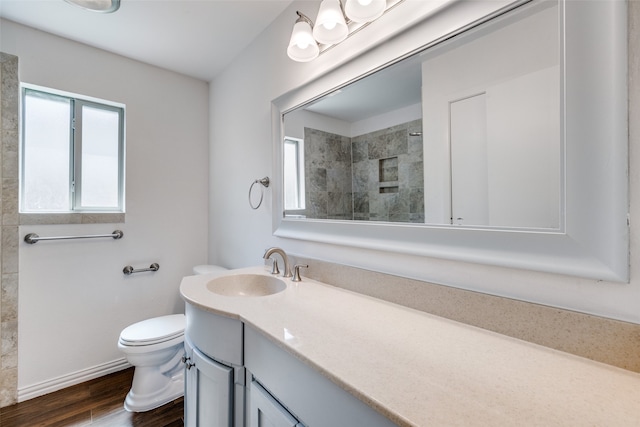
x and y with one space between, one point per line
365 10
302 47
331 27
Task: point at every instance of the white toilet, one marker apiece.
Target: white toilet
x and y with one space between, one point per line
155 348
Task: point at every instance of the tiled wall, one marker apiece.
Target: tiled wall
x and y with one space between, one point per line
327 163
376 176
388 177
9 95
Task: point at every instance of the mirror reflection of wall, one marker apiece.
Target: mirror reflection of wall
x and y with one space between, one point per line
476 120
388 182
376 176
491 102
328 167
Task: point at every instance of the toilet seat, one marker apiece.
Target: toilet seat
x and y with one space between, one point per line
154 331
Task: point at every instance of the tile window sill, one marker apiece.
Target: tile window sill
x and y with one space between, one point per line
71 218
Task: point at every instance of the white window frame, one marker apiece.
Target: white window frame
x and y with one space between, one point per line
75 149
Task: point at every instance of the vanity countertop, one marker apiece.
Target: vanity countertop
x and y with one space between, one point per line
418 369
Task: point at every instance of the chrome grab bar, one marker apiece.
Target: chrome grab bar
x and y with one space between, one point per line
33 238
130 270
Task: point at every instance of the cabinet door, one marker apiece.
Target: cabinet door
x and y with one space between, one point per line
190 391
208 391
265 411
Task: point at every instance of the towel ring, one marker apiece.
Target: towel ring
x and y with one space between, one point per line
265 183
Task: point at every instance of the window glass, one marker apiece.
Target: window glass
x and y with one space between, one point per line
293 174
46 158
100 157
72 154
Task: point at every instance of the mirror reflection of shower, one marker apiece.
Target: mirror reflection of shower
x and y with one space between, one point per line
485 113
375 176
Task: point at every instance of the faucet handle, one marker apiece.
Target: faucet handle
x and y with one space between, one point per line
296 272
274 267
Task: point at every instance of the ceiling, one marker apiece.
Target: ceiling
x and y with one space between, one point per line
389 89
198 38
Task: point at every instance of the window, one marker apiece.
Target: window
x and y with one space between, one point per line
293 174
72 154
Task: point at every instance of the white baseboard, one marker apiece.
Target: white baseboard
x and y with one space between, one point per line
55 384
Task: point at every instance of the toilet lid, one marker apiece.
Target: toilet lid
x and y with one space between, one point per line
154 330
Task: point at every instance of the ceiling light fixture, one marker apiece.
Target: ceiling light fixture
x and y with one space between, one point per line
334 24
101 6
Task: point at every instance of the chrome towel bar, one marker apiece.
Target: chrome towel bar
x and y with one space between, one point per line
33 238
130 270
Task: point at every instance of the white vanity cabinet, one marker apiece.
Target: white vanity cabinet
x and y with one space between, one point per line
280 390
214 371
208 391
324 357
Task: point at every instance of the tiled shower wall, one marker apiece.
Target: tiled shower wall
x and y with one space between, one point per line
376 176
388 177
9 93
327 165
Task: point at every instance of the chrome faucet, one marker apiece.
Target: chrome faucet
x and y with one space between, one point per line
271 251
296 272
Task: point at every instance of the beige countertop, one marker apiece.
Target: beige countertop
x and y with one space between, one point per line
422 370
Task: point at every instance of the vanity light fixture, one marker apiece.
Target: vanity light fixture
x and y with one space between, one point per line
331 26
101 6
303 47
365 10
335 22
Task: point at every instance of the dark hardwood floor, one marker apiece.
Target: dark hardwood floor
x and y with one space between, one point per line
95 403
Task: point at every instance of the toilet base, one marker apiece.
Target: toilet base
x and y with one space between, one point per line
155 348
146 400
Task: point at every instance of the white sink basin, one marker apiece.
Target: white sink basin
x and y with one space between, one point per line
246 285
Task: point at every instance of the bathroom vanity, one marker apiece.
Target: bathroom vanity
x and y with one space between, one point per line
214 373
236 376
309 354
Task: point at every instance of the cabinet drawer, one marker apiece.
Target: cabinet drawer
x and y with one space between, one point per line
216 336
